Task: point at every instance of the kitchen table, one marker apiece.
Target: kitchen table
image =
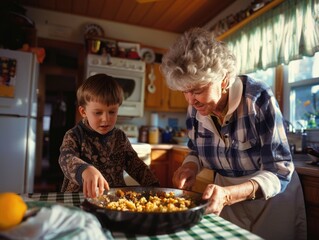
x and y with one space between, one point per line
210 227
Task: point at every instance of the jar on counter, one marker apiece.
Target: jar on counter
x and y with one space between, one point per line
153 135
167 135
143 134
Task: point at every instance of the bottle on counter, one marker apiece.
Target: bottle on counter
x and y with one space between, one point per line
312 121
167 135
153 135
143 134
153 132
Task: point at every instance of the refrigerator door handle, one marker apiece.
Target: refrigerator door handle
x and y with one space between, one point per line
12 115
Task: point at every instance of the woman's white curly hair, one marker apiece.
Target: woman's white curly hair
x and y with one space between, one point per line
195 59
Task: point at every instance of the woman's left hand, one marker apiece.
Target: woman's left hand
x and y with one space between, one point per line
218 198
184 177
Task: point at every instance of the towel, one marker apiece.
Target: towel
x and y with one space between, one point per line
58 222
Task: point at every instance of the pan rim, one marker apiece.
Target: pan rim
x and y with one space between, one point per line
200 204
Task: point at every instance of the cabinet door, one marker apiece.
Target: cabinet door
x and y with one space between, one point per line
154 100
159 165
162 99
310 187
177 100
177 157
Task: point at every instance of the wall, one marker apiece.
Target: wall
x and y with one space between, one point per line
236 7
67 27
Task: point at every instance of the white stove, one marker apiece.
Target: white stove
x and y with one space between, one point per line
130 74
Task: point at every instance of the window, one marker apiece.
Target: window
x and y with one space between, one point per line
303 92
302 69
267 76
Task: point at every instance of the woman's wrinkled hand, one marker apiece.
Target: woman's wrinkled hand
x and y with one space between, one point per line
184 177
94 183
218 197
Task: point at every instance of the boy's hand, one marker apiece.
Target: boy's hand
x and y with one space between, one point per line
94 183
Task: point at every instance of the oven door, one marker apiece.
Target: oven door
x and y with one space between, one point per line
132 83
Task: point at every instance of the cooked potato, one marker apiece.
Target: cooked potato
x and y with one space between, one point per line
159 202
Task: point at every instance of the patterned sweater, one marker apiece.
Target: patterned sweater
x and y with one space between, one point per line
110 154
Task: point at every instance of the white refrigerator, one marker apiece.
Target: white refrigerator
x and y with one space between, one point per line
18 119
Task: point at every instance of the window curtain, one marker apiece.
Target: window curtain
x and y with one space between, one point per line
285 33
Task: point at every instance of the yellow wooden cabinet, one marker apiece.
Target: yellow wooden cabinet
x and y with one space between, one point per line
160 165
177 157
165 162
158 96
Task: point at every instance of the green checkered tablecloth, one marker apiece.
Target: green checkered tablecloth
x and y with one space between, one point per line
68 199
210 227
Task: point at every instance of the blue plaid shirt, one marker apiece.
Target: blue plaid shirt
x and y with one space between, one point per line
251 141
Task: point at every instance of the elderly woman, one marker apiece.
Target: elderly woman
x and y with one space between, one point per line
236 129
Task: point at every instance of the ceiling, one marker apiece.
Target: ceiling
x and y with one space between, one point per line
168 15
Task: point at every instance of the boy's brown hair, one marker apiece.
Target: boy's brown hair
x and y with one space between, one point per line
100 88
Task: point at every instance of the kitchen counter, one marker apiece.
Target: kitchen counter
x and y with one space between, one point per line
303 166
301 161
168 146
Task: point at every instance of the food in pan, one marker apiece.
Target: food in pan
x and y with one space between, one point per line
150 202
147 223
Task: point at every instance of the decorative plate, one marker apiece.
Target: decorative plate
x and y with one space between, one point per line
147 55
93 30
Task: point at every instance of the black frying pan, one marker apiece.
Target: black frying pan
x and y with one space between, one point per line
148 223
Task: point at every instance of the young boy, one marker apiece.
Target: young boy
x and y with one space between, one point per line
94 153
